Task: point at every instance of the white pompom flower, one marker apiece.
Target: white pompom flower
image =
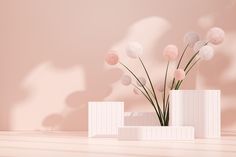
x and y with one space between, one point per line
206 52
134 49
198 45
191 38
216 35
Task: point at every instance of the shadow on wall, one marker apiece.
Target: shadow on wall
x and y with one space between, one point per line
70 33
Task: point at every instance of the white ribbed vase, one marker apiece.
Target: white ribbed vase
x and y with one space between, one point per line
197 108
104 118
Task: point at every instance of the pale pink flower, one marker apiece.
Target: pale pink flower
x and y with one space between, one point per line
142 80
191 38
126 80
179 74
206 52
134 49
170 52
160 86
136 91
215 35
112 58
198 45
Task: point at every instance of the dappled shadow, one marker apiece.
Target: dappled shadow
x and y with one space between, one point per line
52 121
79 33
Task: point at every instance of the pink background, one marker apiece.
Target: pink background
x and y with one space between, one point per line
52 56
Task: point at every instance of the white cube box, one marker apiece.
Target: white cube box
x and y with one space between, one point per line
141 119
104 118
156 133
197 108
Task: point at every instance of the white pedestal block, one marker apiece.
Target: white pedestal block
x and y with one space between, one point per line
197 108
141 119
104 118
156 133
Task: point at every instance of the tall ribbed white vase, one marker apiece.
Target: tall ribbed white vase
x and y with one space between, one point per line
197 108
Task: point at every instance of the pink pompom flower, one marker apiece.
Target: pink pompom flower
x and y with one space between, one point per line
179 74
170 52
215 35
126 80
112 58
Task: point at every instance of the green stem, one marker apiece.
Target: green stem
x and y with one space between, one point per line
179 62
164 95
178 85
142 92
167 114
155 97
158 115
189 62
150 100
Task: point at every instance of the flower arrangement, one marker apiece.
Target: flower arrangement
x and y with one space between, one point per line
202 51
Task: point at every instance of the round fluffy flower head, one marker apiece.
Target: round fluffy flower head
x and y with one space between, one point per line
126 80
170 52
191 38
134 49
142 80
198 45
206 52
136 91
179 74
160 86
112 58
215 35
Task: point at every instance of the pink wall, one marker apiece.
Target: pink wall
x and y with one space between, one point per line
52 51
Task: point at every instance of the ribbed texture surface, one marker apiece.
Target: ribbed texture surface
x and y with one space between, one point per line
197 108
105 118
141 119
155 133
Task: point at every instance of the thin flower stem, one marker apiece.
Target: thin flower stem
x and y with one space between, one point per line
142 92
193 65
166 112
189 62
188 71
155 97
180 60
164 95
186 67
137 80
150 100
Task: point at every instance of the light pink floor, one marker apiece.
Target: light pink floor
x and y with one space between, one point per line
58 144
